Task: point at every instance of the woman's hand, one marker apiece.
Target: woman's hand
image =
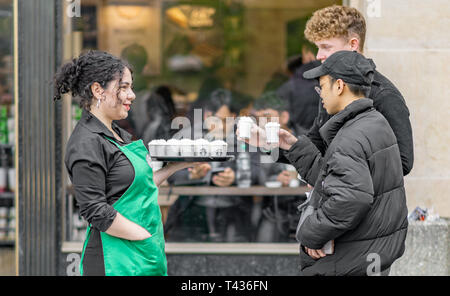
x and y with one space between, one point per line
199 171
162 174
225 178
183 165
126 229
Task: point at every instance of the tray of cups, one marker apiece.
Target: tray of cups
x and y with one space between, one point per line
199 150
193 158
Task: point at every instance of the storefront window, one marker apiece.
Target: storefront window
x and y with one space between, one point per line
7 126
181 52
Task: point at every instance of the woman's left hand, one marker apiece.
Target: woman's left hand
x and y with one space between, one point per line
183 165
162 174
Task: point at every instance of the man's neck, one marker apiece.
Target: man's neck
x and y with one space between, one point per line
347 100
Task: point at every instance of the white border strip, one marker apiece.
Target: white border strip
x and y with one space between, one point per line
213 248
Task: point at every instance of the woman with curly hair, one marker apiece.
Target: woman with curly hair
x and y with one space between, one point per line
114 185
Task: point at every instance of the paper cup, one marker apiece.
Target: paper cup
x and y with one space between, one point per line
201 148
161 149
157 147
272 129
172 147
186 147
218 148
245 126
152 149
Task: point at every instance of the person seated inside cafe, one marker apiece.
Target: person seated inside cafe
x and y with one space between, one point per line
276 216
211 218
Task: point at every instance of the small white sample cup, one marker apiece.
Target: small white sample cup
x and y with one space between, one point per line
245 126
157 147
272 129
173 147
187 147
218 148
201 148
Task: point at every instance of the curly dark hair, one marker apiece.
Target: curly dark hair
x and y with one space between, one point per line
78 75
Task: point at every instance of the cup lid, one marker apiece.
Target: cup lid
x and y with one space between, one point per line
173 141
245 119
218 142
272 124
201 141
157 142
186 142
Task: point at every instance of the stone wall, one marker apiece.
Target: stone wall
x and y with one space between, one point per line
409 43
427 250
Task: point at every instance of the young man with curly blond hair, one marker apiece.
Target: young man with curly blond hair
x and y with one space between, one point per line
337 28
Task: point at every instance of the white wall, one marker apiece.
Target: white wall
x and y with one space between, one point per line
409 41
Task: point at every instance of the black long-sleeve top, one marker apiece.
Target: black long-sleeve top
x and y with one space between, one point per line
99 171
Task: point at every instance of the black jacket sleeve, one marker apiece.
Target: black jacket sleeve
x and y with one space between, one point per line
306 158
348 197
314 134
392 105
306 154
89 182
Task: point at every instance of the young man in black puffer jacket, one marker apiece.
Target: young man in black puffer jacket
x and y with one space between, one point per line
358 201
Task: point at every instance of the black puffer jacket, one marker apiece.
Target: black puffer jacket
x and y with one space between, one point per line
359 198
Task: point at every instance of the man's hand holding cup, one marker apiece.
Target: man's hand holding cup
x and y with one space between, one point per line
268 138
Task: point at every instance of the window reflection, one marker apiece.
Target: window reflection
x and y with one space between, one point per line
181 53
7 126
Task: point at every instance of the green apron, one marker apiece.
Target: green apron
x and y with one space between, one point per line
138 204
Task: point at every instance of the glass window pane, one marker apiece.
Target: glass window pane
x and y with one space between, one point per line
182 52
7 125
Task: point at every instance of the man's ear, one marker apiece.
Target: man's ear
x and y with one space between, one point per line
340 86
354 44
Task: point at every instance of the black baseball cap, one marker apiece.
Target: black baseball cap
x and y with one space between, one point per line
350 66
